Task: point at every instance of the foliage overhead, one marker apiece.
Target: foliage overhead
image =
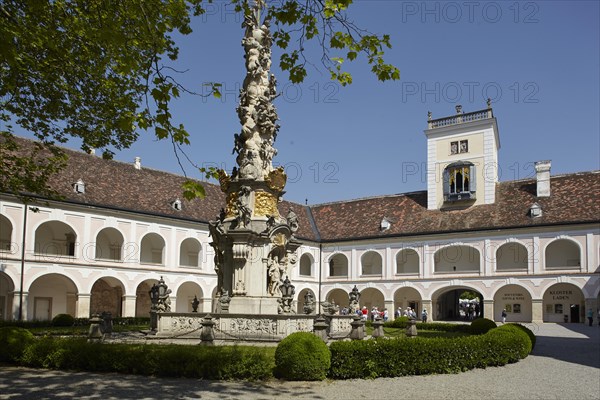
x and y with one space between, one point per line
101 71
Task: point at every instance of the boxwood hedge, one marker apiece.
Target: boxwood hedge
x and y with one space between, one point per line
382 357
419 356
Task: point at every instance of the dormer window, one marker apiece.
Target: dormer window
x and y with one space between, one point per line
385 224
535 210
79 187
176 205
459 182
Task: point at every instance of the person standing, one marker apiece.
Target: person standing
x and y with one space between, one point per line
424 315
504 315
590 316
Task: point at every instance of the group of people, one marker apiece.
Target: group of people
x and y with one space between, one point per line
374 313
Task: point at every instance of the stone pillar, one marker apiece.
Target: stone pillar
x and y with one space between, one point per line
426 304
411 329
207 334
378 328
537 310
128 302
15 305
320 327
83 305
488 309
389 304
358 328
592 304
95 333
205 305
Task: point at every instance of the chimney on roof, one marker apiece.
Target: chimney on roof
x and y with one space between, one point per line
542 175
138 163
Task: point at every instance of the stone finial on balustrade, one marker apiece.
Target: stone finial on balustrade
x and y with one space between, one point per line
95 332
320 327
207 334
358 328
378 327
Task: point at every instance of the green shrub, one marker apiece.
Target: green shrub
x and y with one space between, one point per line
417 356
63 320
400 322
13 342
480 326
302 356
521 340
223 363
528 331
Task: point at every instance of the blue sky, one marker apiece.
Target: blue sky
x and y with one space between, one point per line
538 61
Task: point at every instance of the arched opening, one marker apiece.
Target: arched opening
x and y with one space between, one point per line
339 297
511 257
563 253
6 230
408 297
189 253
7 287
186 294
407 262
457 303
55 238
459 259
152 249
563 302
338 266
306 263
302 296
50 295
371 297
516 300
142 298
107 296
371 263
109 245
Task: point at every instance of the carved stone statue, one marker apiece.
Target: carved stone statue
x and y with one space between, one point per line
354 298
159 297
274 277
292 220
309 302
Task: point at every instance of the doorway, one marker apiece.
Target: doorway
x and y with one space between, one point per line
42 307
575 313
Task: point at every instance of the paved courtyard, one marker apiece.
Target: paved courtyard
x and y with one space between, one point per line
564 365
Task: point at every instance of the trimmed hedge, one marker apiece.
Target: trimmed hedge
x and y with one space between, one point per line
63 320
419 356
528 331
480 326
402 323
13 342
302 356
222 363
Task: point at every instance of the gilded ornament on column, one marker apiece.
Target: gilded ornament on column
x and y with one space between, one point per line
276 179
265 204
231 205
224 180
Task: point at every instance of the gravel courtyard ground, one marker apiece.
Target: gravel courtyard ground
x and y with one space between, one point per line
565 365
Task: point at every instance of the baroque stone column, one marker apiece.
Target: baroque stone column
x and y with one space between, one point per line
254 244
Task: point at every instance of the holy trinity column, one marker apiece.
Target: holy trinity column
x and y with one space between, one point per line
254 245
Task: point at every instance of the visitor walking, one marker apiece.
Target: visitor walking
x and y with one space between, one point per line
504 316
424 315
590 316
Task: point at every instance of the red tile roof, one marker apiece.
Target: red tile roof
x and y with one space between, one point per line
118 185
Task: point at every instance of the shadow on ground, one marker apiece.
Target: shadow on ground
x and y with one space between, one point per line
25 383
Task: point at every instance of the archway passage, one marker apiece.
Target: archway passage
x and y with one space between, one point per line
339 297
372 297
50 295
142 298
563 302
7 288
107 296
458 304
185 296
301 301
516 300
407 297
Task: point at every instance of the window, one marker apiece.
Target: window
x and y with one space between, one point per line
461 146
459 182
